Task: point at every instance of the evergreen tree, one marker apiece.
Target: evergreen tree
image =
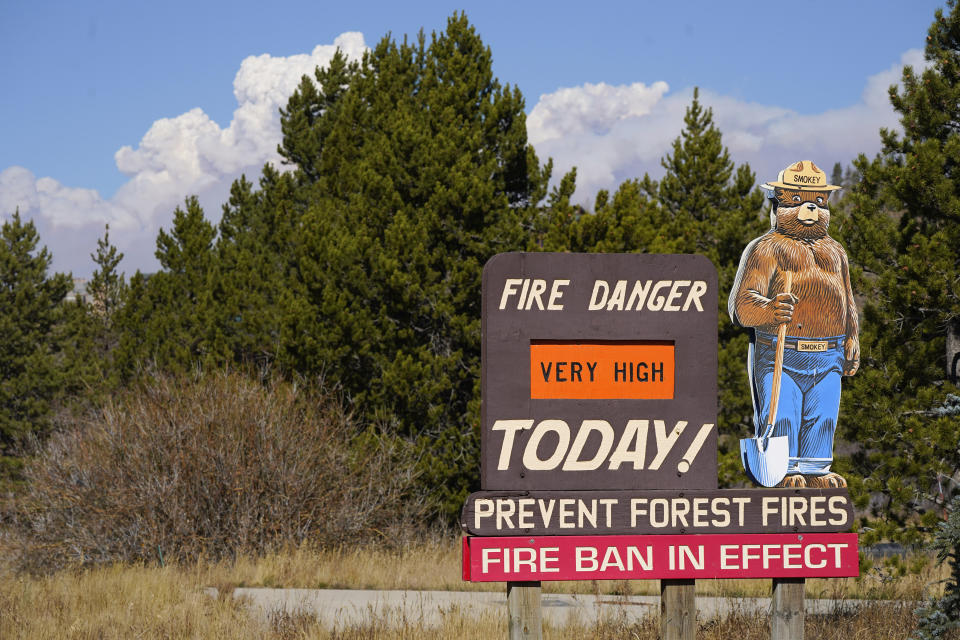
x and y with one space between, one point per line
942 615
902 229
255 287
167 318
107 291
629 222
107 286
703 204
413 169
709 206
31 306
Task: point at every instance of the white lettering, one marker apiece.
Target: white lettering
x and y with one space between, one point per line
655 303
538 289
617 298
585 513
525 513
638 295
768 506
714 508
675 293
835 505
530 458
566 513
486 558
787 556
808 562
598 299
545 558
530 561
646 562
665 442
632 446
726 555
636 509
699 288
573 462
505 508
586 559
483 508
509 289
611 558
546 510
509 428
553 304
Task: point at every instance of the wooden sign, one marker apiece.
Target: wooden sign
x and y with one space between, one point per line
739 511
599 372
664 557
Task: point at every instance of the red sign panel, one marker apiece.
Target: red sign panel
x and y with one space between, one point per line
763 555
602 371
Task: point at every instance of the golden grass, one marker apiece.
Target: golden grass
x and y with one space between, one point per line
169 602
436 564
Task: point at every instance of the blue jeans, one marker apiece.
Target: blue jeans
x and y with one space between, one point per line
809 399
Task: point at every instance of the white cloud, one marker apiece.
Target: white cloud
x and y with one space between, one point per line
179 156
593 107
615 133
611 133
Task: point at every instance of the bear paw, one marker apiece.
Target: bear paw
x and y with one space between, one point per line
793 481
829 481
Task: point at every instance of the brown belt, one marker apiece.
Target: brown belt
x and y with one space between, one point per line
804 346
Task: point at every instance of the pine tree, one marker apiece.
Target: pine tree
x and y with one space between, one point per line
902 228
31 306
107 286
107 291
709 206
703 204
413 169
942 615
167 318
629 222
255 287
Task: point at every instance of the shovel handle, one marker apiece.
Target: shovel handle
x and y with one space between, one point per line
778 361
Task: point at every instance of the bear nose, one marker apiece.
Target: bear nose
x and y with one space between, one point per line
811 206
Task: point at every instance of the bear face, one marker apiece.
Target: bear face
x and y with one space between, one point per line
801 214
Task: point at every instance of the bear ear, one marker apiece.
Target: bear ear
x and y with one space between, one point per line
798 166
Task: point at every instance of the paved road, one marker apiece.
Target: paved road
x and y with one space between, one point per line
340 607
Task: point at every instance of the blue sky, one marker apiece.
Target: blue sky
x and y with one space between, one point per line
190 89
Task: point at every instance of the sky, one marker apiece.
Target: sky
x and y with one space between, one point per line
112 112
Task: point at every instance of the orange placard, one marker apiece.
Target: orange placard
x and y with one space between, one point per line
601 371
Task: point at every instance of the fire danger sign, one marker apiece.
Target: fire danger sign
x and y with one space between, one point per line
599 372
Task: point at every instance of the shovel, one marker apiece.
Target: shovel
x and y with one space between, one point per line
764 458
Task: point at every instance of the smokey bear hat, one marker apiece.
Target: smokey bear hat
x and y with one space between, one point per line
802 176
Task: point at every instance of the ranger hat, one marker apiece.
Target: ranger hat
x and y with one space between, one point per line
802 176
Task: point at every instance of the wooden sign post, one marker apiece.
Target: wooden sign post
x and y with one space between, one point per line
599 444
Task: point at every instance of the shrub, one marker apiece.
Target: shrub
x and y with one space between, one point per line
213 465
940 618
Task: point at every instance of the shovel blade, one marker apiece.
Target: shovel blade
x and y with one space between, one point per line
766 465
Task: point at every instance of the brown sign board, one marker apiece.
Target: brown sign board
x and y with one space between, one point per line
724 511
599 372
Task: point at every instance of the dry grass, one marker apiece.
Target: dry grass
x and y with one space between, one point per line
168 602
436 565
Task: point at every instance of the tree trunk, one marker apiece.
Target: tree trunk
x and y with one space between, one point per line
953 350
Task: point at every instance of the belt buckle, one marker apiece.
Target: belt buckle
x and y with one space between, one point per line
811 346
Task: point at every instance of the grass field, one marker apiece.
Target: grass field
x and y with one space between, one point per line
168 602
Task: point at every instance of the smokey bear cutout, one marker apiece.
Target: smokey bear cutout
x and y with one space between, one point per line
793 287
